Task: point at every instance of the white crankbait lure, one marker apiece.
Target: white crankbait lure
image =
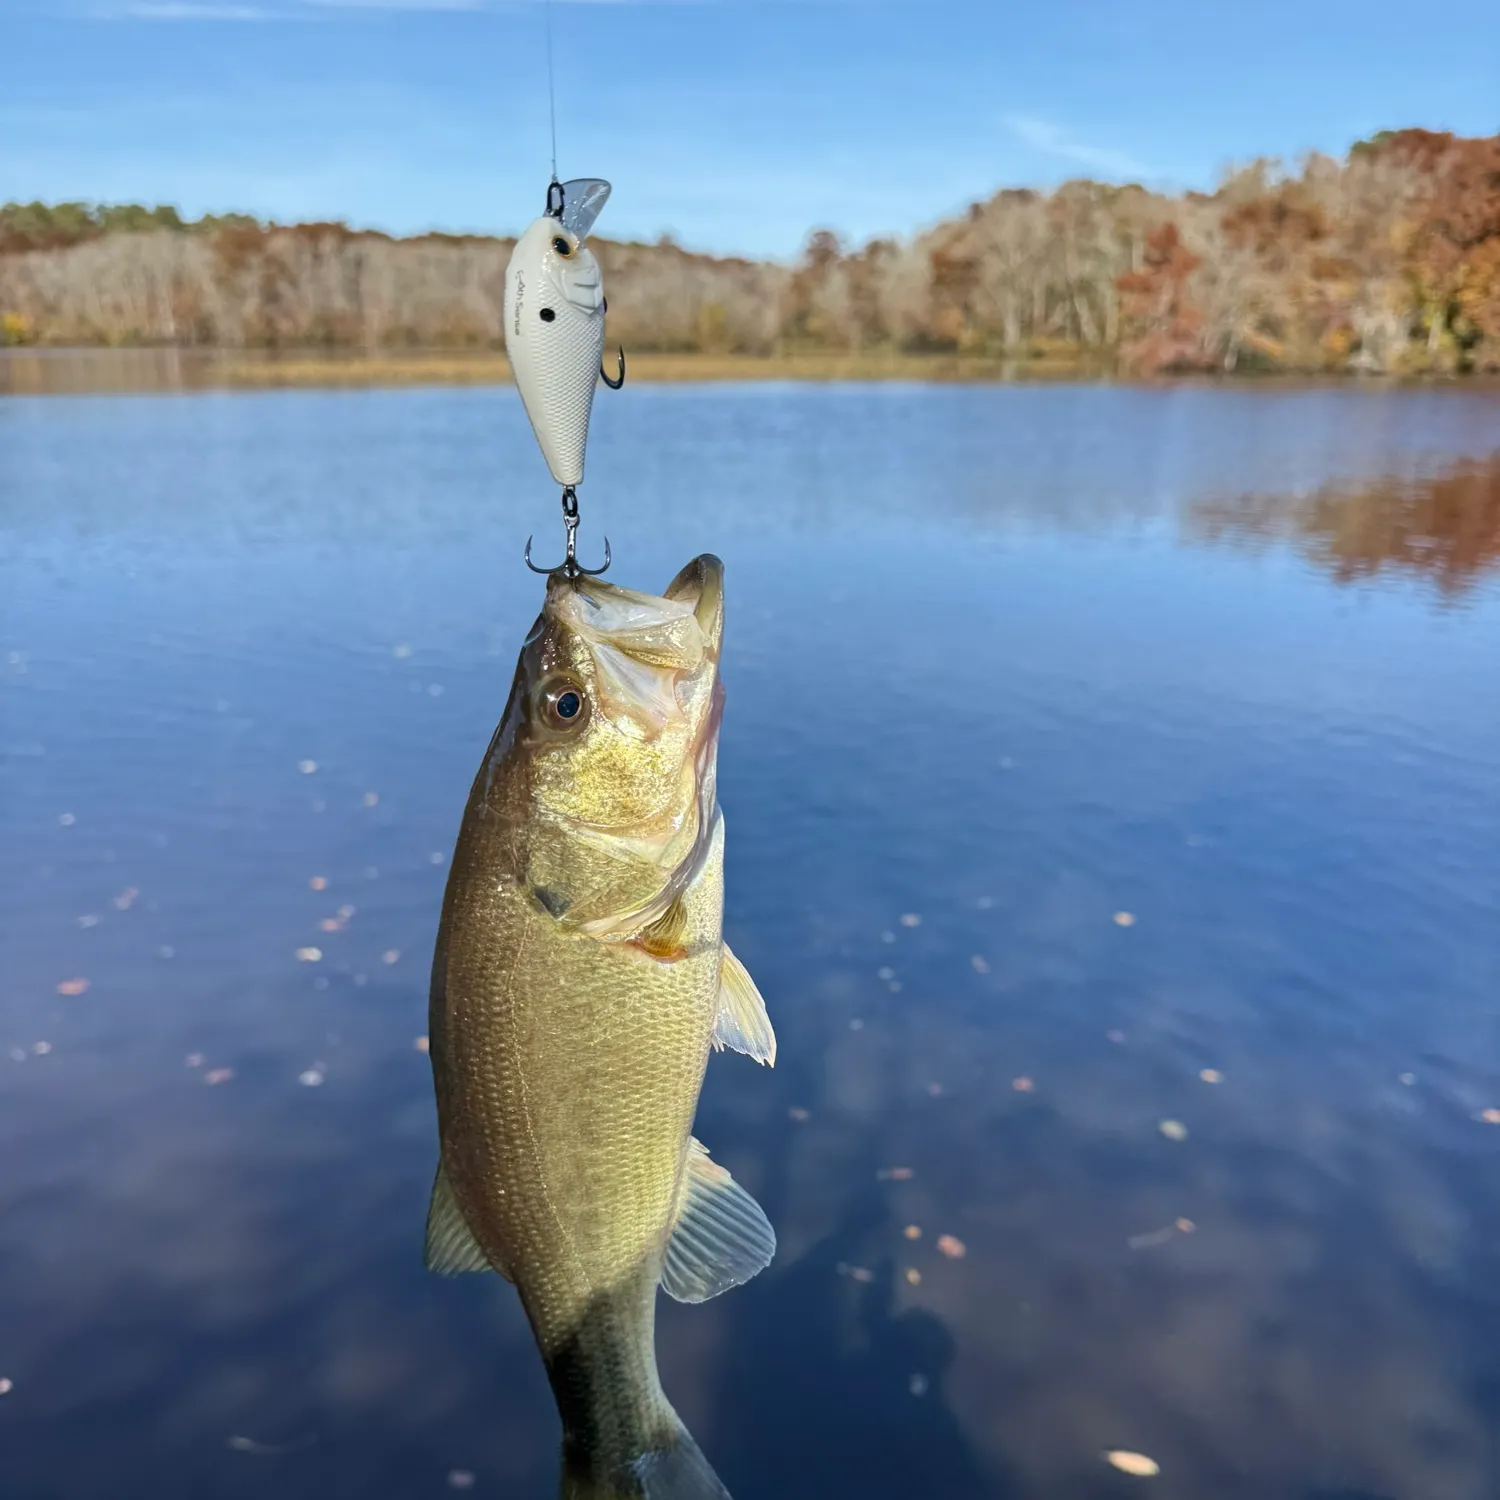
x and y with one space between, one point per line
554 324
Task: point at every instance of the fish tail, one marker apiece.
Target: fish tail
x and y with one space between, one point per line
676 1471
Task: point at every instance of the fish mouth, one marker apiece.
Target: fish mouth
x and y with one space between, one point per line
641 639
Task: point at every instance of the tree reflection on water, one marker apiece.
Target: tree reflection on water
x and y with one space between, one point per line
1443 530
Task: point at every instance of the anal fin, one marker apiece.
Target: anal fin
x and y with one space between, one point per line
721 1237
451 1248
743 1023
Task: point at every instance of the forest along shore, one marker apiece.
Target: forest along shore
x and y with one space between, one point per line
1387 262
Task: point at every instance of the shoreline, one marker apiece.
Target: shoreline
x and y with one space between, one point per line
40 371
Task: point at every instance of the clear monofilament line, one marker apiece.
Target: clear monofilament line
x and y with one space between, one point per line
551 91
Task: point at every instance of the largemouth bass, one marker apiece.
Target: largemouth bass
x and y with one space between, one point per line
579 983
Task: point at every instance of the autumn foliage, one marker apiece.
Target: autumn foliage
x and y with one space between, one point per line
1386 262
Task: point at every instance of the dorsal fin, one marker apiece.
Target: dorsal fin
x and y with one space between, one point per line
721 1237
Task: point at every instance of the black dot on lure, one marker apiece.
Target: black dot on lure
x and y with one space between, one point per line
547 314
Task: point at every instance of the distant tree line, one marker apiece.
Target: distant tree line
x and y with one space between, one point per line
1386 262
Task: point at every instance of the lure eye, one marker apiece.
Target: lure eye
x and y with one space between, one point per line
564 706
547 314
562 247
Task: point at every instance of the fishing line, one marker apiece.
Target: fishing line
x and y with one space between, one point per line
551 91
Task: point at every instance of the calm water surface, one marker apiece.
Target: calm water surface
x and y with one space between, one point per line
1078 740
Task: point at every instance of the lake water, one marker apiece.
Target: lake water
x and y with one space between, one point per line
1078 740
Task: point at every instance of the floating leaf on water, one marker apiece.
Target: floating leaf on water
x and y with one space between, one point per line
800 1115
126 899
421 1044
309 955
318 883
1211 1075
913 1276
390 956
218 1075
1132 1463
1124 919
980 964
242 1444
307 767
371 798
73 987
917 1385
1023 1084
912 1232
1174 1130
951 1246
910 919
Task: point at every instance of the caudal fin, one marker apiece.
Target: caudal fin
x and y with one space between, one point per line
677 1473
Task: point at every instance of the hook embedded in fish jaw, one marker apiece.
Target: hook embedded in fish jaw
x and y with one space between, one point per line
619 380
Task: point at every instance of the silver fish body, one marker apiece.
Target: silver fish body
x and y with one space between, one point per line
554 337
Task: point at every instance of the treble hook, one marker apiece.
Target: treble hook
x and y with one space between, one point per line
570 567
619 380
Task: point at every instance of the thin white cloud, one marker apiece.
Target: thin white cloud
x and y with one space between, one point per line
428 5
1055 141
186 10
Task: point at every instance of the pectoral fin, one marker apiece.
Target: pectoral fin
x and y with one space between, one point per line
451 1246
721 1237
743 1023
663 938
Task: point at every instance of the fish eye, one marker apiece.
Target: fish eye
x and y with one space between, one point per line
562 247
564 705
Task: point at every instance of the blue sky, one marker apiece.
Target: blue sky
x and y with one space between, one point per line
736 125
